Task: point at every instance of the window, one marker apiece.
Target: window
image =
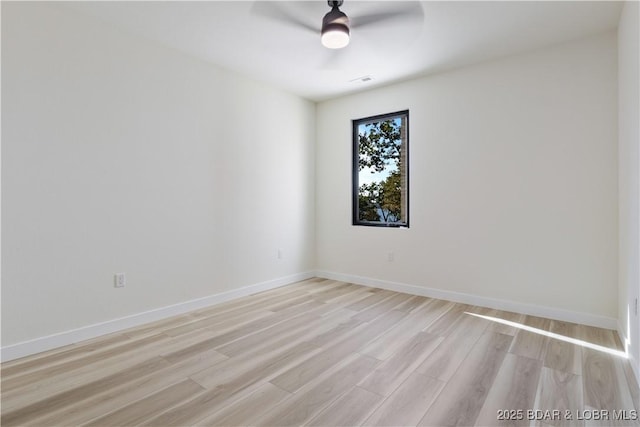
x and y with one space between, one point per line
381 170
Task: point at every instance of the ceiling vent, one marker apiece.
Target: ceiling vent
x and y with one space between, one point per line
362 79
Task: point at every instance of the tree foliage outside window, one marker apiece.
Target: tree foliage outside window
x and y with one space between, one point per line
380 170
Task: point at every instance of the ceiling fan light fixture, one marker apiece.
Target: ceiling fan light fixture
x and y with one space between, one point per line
335 28
335 36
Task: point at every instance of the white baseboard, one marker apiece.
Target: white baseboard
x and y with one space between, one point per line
49 342
518 307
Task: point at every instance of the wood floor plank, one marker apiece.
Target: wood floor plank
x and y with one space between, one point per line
370 301
243 412
561 391
515 388
262 300
326 285
561 355
386 345
408 403
445 360
324 352
412 303
250 341
49 358
508 316
445 323
309 368
296 377
299 346
194 408
220 389
310 401
259 302
85 391
314 327
358 294
221 323
598 336
462 398
241 331
291 302
159 326
281 318
117 397
390 374
350 409
337 292
604 382
634 389
22 380
382 307
255 302
338 332
95 370
138 412
531 344
240 374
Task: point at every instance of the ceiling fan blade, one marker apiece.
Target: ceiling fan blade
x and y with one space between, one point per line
401 13
276 11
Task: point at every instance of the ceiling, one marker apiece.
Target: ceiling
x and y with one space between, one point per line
279 42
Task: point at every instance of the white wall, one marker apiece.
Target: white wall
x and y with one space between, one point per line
120 155
513 184
629 177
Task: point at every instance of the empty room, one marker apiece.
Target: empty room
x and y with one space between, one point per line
327 213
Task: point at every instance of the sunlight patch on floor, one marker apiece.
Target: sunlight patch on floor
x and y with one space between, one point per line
575 341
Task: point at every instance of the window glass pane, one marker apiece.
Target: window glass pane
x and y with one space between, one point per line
381 170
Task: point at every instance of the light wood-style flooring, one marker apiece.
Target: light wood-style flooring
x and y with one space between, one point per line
327 353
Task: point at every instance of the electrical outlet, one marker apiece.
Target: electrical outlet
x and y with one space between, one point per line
119 280
391 256
280 254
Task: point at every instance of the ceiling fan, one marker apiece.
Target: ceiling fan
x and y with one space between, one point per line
335 27
335 32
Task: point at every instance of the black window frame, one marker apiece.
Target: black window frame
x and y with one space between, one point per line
355 169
